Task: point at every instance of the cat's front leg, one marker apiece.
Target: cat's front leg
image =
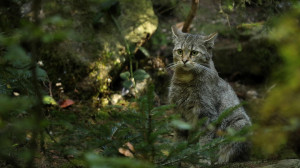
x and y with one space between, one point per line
203 142
225 153
235 151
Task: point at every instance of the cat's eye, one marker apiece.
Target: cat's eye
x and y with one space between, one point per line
193 53
179 51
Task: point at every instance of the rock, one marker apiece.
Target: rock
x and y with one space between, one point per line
252 94
89 63
253 59
115 98
137 20
288 163
136 23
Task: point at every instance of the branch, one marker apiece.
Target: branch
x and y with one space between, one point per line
190 17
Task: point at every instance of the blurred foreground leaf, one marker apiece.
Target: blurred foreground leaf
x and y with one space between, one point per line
140 75
125 75
181 125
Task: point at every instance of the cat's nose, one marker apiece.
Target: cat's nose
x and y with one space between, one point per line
185 61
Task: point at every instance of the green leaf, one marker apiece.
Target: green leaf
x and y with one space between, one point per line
181 125
144 51
127 84
140 75
131 49
125 75
49 100
41 74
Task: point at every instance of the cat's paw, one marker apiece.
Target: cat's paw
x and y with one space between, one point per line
224 158
225 153
205 161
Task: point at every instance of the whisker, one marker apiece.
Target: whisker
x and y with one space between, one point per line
171 66
200 66
211 72
172 63
207 69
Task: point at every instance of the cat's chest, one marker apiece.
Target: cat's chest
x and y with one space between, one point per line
185 96
185 77
190 99
188 102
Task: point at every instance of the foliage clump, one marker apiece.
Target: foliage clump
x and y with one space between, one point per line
280 111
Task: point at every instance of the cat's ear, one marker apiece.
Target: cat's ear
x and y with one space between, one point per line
209 40
176 33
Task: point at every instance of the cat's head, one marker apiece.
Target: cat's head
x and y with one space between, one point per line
192 51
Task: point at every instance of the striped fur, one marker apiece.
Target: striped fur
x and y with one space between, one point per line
198 91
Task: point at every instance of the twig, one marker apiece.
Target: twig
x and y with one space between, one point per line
49 87
166 10
225 14
190 17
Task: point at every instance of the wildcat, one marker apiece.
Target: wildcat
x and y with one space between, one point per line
198 91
